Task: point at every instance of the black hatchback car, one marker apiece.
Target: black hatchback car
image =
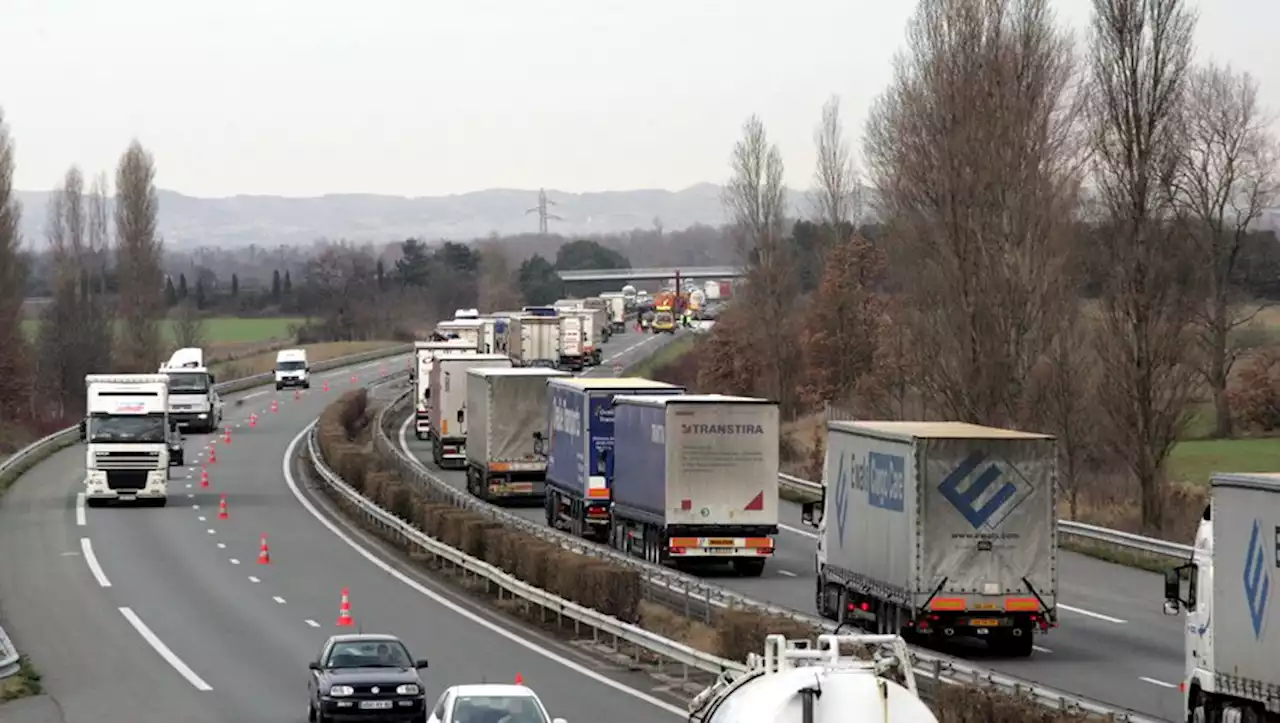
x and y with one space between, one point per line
366 678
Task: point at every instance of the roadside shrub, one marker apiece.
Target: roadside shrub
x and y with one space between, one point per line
972 704
1255 397
743 631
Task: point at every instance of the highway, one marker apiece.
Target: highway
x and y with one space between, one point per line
138 615
1113 642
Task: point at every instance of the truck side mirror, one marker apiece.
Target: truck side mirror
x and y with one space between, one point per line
83 433
1174 601
212 380
461 415
811 513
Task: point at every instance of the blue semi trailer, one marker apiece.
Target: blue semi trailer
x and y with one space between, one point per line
580 464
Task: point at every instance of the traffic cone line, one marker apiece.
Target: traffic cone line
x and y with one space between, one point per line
275 406
264 554
326 385
226 435
253 421
204 476
519 679
344 610
354 379
222 507
213 455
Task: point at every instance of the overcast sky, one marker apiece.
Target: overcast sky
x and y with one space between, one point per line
424 97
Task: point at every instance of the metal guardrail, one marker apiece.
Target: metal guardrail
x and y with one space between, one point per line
667 649
695 597
27 457
1094 533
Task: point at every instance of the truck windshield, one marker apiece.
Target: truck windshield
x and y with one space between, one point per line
138 428
290 366
188 382
663 317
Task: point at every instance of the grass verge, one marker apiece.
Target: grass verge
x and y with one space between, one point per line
23 684
264 362
344 433
219 329
665 356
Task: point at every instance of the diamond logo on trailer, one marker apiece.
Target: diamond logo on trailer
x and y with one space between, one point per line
1257 580
844 485
986 501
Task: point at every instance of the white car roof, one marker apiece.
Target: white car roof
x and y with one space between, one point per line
494 689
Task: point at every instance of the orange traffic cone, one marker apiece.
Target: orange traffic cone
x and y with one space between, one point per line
264 555
354 379
344 610
253 421
519 679
204 476
297 394
226 435
275 406
326 385
213 455
222 507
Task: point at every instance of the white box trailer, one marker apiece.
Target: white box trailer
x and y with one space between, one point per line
941 528
507 435
1231 658
447 405
616 303
464 329
425 354
695 479
573 341
596 327
539 341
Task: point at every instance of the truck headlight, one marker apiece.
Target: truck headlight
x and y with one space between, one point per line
341 691
410 689
203 416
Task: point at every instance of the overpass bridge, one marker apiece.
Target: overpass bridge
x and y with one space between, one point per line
646 274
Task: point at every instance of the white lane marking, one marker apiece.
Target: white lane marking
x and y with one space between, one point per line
222 545
213 532
188 485
195 507
254 580
278 599
1160 683
255 394
1091 614
1039 649
313 623
80 521
454 607
200 518
156 643
787 573
234 561
90 559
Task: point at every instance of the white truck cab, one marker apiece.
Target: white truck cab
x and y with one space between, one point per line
193 402
292 369
127 434
1231 673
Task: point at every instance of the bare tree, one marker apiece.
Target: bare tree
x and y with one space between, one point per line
499 287
755 198
835 177
1226 178
188 325
1141 51
15 381
139 254
976 154
99 222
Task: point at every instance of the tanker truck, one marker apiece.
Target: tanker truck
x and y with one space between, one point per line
845 678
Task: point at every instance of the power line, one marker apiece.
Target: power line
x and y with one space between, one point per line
541 210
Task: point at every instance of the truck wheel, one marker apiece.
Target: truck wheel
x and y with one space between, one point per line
749 567
436 452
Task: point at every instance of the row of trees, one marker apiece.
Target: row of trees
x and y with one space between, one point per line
1065 237
83 328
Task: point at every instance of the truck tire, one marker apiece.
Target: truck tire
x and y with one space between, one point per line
437 453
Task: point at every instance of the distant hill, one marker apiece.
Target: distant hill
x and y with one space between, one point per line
187 222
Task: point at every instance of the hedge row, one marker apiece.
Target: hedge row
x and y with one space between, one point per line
613 589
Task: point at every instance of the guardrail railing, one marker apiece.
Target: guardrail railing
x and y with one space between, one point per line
690 595
1117 538
27 457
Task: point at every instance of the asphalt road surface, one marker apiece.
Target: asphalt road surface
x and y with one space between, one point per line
1113 642
137 615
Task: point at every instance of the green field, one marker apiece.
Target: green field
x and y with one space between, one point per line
221 329
1193 461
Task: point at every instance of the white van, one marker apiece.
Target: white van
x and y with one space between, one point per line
292 369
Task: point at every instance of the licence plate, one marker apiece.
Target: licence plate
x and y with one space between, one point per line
375 704
985 623
722 550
